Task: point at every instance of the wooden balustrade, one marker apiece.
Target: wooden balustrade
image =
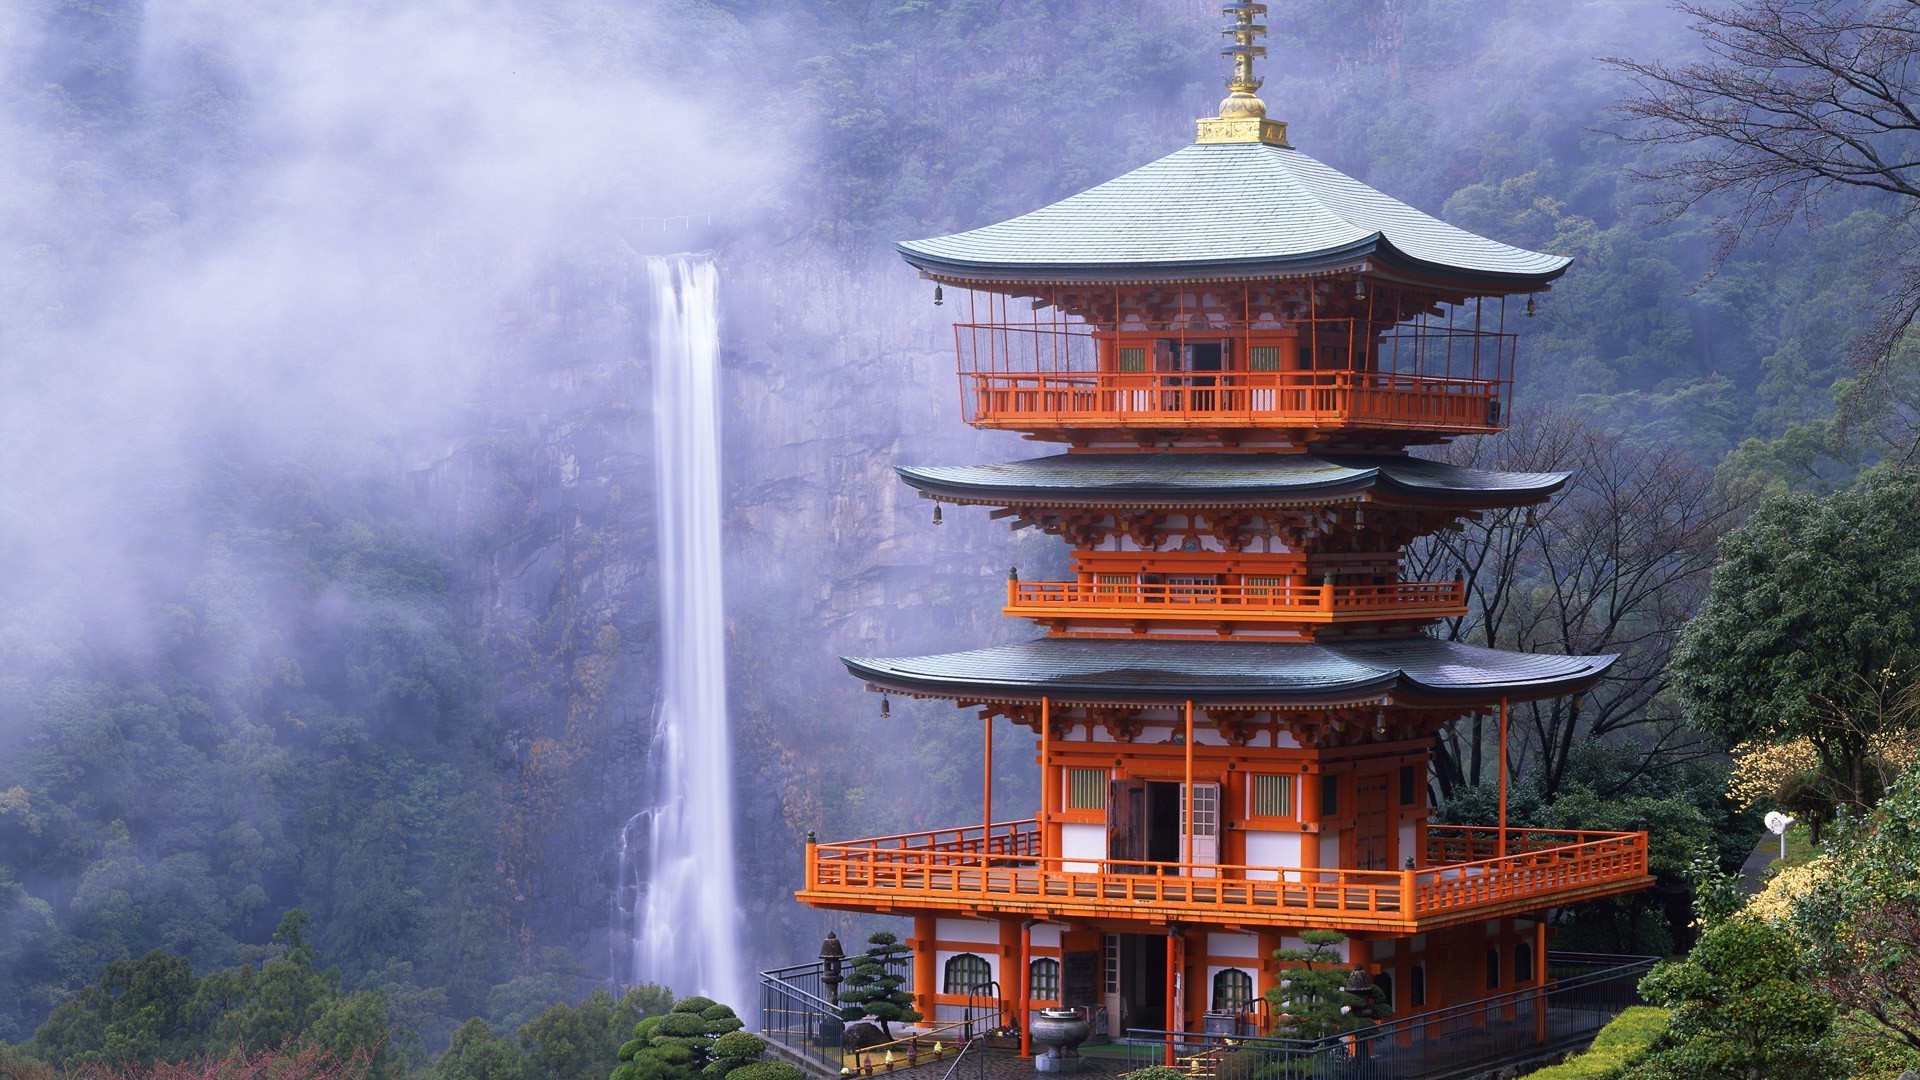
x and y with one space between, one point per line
929 870
1300 603
1355 399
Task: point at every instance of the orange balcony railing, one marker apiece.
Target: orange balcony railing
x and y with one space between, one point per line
1315 399
926 872
1207 603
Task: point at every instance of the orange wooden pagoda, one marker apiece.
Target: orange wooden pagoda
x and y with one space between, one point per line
1236 696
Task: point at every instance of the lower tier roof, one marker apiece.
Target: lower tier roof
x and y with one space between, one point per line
1230 479
1252 674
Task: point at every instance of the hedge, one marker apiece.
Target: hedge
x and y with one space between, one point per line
1620 1044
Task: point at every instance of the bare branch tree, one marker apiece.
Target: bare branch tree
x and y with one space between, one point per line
1616 564
1797 100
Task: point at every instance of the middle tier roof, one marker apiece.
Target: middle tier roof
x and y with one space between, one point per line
1156 480
1410 670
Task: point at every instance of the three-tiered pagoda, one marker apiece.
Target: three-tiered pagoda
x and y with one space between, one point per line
1236 696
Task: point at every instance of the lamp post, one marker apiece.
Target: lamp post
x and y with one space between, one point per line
1777 823
831 955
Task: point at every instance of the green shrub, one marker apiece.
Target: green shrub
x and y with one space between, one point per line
1156 1072
1619 1045
766 1070
695 1004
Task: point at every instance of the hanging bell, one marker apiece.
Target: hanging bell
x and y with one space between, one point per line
1529 305
936 514
941 297
886 708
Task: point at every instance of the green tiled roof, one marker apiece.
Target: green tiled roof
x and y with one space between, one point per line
1230 479
1242 673
1236 210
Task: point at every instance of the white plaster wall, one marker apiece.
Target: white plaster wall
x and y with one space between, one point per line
1280 849
1047 935
1330 849
1233 945
1407 838
1083 841
973 930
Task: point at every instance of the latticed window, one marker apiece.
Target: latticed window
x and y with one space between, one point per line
1110 969
1272 796
1086 789
1263 358
966 974
1232 991
1133 360
1044 974
1263 585
1192 588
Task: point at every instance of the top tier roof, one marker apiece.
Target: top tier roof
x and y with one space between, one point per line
1226 211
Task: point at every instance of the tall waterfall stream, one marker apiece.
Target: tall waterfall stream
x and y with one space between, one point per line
677 858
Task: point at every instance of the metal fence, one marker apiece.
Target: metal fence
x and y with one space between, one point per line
795 1012
1587 991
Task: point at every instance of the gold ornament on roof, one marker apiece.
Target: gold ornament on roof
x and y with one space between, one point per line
1243 116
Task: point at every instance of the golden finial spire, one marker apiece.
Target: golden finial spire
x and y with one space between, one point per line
1243 117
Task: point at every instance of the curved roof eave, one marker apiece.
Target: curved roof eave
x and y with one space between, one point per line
1319 263
1347 475
1412 670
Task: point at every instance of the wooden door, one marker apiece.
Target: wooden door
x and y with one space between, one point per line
1205 808
1127 824
1370 824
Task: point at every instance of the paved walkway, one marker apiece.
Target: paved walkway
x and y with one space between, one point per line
1002 1065
1753 872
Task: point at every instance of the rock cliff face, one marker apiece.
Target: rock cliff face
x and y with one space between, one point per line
831 379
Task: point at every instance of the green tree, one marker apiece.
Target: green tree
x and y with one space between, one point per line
1314 999
140 1012
873 985
1742 1010
1811 627
287 996
1859 928
476 1053
572 1042
699 1037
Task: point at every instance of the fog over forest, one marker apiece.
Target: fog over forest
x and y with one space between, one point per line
328 566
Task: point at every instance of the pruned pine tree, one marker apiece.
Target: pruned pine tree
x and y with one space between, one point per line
1315 1000
873 988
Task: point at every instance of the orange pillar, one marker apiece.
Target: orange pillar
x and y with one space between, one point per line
1186 795
1048 848
1025 997
1173 969
1503 778
925 928
1540 979
986 794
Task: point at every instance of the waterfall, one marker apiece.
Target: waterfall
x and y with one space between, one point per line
679 886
